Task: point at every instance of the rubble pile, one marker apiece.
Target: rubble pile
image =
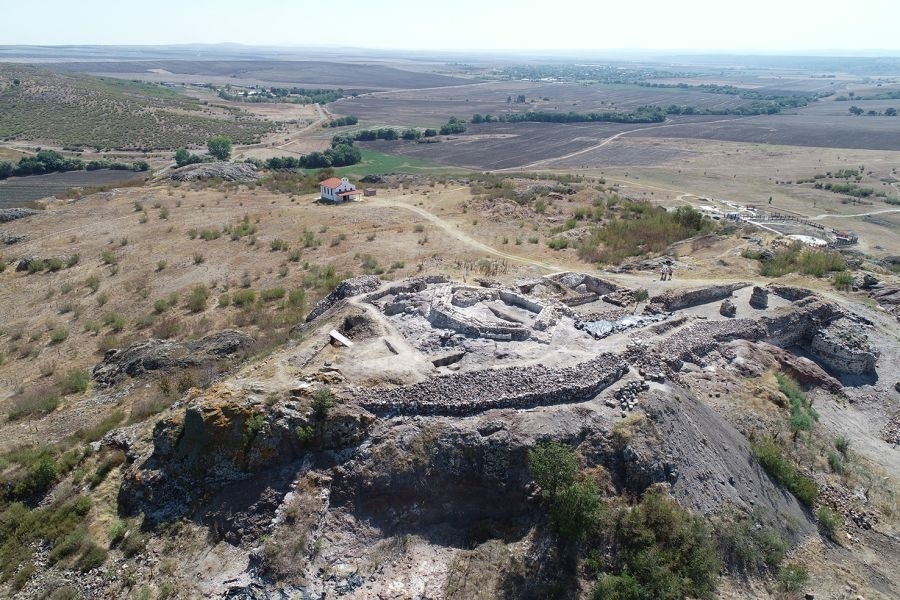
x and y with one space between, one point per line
848 505
626 397
345 289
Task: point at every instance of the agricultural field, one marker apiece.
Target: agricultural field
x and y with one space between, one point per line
81 111
293 72
433 107
17 191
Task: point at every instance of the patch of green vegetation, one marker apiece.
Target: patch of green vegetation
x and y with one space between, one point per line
746 546
792 577
658 549
803 415
322 402
375 163
76 381
798 259
639 228
784 472
59 525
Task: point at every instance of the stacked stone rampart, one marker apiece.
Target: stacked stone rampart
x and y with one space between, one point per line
513 387
680 299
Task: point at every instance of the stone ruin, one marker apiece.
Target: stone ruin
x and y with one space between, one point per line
550 340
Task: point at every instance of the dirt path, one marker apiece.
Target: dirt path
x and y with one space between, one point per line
461 236
610 139
865 214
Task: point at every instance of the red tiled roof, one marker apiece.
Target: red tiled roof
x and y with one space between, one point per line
332 182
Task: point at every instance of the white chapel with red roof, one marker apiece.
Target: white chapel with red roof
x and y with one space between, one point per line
338 190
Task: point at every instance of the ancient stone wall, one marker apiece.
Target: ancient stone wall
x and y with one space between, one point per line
679 299
513 387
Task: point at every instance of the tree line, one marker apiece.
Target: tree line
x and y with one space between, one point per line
888 112
341 154
50 161
343 121
644 114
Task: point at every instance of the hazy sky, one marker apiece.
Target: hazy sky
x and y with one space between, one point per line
774 25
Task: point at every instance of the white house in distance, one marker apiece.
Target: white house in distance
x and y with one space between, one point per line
338 190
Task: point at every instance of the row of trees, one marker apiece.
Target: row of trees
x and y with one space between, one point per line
888 112
339 156
644 114
343 121
50 161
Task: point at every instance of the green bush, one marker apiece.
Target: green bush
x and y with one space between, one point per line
160 306
660 550
93 556
322 402
770 457
114 321
747 547
829 520
59 335
835 463
842 280
39 401
558 243
271 294
196 301
109 257
798 259
842 444
76 381
243 298
792 577
554 467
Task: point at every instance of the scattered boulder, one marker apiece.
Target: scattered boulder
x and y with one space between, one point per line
727 309
226 171
759 299
372 178
867 281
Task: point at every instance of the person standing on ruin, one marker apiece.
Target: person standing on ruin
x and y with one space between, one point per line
662 273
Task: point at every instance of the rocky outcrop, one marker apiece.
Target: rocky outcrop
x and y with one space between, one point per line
759 298
8 238
166 355
226 171
513 387
752 359
678 299
345 289
11 214
844 347
226 436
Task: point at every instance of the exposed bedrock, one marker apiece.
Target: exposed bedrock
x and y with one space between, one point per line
224 437
513 387
425 471
167 355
